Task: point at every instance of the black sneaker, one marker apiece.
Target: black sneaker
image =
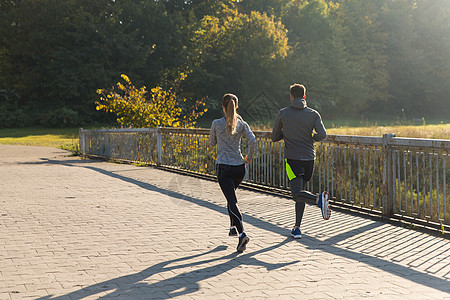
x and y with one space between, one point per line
243 240
296 233
233 232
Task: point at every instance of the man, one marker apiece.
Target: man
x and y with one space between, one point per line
300 126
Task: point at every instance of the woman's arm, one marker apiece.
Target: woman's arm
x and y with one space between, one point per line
212 135
250 136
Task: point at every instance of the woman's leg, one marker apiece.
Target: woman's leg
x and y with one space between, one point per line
237 181
231 219
226 175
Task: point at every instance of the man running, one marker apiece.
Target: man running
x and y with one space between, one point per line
300 126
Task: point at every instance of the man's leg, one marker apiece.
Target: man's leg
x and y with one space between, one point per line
301 196
298 193
299 209
299 172
296 186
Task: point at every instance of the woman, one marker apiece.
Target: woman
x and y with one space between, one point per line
226 133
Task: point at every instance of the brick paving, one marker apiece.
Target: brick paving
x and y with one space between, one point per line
74 228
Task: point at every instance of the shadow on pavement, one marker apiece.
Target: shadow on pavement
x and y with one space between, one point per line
192 278
131 285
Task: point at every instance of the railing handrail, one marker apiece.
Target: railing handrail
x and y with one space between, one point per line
114 130
433 144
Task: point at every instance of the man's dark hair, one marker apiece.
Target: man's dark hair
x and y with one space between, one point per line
297 90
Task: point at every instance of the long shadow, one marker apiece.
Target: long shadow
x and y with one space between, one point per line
130 285
327 245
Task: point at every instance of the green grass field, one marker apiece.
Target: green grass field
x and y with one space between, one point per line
441 131
67 138
422 131
64 138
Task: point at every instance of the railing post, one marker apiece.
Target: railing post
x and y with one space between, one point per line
81 140
159 146
388 197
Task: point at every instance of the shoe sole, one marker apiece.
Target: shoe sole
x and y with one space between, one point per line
243 244
296 236
326 212
233 235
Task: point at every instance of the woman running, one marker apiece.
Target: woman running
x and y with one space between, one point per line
226 133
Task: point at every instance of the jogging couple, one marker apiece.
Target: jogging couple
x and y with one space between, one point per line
299 126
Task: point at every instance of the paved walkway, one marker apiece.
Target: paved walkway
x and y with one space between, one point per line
86 229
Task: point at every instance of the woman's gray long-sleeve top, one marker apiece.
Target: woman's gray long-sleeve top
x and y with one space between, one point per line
228 146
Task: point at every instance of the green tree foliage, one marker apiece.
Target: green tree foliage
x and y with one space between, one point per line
355 57
137 107
11 115
314 58
239 53
419 56
365 44
270 7
434 39
339 54
59 52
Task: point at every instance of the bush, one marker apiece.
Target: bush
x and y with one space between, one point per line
15 118
61 118
10 113
137 107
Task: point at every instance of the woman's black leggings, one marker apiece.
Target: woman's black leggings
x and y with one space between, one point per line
229 178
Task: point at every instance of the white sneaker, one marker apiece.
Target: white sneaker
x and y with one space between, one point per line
324 205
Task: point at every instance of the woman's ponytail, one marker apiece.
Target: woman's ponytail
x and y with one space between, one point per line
230 103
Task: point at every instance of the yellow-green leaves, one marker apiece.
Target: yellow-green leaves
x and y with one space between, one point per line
137 107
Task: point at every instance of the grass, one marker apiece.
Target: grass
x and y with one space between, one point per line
421 131
437 131
63 138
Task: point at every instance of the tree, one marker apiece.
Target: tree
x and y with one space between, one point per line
365 45
270 7
434 41
351 54
237 53
310 33
418 52
59 56
137 107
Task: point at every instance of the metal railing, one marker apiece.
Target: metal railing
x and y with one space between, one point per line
402 177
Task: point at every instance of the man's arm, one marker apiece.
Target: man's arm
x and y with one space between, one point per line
277 131
321 133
